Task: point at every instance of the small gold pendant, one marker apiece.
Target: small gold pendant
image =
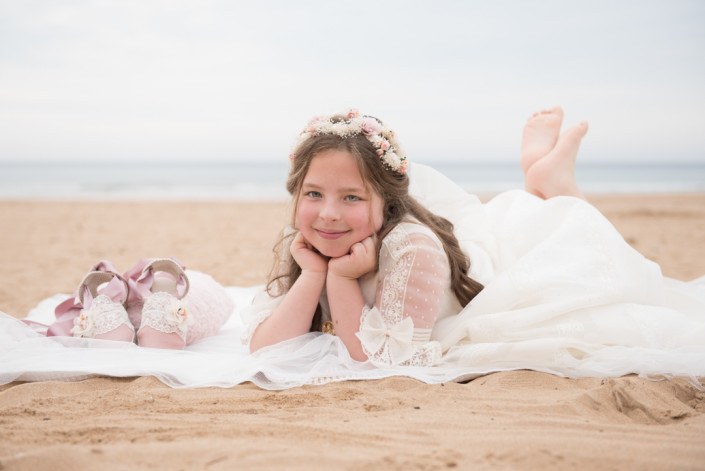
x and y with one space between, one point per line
327 328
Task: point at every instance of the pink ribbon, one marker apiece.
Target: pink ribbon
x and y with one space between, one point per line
140 280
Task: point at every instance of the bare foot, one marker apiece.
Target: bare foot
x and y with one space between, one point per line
540 136
554 174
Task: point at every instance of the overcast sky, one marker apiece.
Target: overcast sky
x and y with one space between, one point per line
227 80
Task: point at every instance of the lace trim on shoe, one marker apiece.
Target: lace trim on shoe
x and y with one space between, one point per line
103 316
167 314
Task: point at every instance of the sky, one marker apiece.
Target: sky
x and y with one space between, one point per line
177 80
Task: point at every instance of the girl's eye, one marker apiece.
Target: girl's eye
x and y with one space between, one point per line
313 194
352 198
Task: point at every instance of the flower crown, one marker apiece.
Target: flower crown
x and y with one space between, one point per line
381 137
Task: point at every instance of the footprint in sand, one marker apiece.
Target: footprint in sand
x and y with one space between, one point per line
644 401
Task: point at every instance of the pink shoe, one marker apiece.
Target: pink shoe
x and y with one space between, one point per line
67 311
165 316
102 296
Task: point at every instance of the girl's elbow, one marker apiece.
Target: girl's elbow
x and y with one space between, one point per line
257 341
358 355
254 346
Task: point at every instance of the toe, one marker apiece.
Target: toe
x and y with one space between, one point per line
574 132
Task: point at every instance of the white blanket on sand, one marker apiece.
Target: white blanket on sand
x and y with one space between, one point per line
564 294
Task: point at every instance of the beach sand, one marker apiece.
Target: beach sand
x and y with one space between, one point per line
514 420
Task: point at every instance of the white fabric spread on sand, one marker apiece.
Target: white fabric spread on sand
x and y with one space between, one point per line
564 294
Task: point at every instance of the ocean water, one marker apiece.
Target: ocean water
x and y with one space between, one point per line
264 181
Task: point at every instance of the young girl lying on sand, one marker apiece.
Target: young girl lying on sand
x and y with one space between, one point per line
393 263
369 263
399 280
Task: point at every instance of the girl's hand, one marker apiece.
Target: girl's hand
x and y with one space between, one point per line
306 256
361 260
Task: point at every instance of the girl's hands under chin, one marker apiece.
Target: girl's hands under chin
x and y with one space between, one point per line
306 256
361 260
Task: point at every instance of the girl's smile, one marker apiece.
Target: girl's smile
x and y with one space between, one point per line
330 234
336 209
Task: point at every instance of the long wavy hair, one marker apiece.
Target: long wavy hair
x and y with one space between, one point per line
398 205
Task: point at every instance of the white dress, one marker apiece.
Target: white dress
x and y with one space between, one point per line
564 293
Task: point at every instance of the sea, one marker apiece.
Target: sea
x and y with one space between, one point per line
264 180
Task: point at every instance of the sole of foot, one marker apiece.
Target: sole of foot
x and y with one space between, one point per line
540 135
554 174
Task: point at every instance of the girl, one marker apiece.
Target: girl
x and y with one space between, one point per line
399 278
368 263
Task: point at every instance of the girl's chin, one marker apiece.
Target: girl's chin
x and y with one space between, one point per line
333 252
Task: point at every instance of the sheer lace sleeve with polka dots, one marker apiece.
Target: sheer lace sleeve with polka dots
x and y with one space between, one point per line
414 275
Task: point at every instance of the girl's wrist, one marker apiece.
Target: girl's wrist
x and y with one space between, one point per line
314 275
338 276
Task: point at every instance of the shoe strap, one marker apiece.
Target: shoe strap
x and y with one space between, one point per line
105 265
142 284
115 287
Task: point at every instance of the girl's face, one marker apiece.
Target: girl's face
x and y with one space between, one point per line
335 209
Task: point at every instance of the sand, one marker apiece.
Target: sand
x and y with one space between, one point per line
514 420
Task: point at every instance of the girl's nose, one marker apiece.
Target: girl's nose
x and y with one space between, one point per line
330 211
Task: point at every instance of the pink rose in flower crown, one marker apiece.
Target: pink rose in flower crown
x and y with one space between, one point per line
370 126
384 145
353 113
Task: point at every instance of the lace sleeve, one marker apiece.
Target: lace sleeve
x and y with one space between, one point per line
415 272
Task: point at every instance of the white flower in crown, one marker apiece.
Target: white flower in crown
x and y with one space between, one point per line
393 161
83 324
381 137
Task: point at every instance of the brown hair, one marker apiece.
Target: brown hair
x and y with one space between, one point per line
392 187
